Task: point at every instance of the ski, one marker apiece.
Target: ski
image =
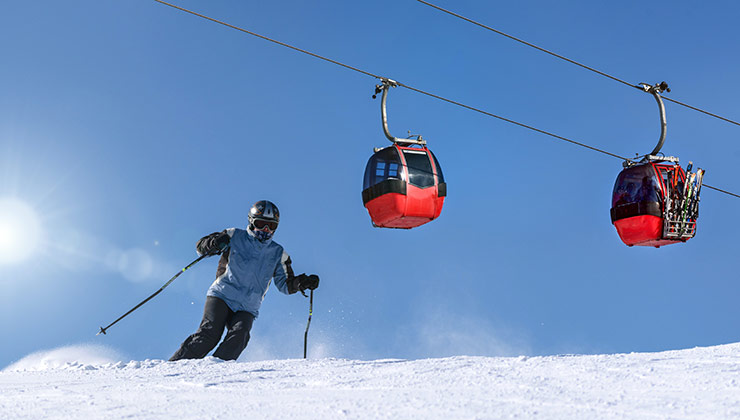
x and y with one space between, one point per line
686 203
694 210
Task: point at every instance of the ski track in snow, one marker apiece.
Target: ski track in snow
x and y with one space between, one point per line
699 383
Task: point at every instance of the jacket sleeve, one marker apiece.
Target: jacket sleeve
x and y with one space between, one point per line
284 278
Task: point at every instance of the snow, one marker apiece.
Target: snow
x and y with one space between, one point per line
682 384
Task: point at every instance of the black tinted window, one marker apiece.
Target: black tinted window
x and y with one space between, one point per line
419 168
382 165
635 184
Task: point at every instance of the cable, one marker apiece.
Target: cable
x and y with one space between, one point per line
411 88
722 191
700 110
526 43
511 121
270 39
569 60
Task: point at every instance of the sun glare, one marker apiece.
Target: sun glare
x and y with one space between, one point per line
20 231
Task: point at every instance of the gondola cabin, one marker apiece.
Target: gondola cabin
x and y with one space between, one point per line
403 187
652 205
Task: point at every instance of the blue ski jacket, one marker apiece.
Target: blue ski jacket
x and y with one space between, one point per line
246 269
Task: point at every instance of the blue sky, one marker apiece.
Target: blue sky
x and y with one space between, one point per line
132 129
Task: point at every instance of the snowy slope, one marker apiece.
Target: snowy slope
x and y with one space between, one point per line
697 383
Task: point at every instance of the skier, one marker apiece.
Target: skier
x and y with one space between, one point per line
249 260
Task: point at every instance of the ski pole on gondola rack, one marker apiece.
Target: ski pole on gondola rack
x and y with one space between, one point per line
103 330
308 324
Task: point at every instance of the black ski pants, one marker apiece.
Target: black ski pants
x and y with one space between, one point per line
216 316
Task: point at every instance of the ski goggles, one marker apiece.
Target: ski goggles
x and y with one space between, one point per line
261 224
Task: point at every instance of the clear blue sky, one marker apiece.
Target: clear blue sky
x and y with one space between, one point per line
133 129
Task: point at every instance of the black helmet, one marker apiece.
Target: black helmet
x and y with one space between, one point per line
264 217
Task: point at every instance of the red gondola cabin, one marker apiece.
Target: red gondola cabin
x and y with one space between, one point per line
403 187
653 206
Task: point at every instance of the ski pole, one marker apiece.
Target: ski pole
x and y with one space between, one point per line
102 330
305 336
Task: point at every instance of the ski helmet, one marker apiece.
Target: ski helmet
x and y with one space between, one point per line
264 217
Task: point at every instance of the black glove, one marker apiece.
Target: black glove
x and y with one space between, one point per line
308 282
214 243
221 242
302 282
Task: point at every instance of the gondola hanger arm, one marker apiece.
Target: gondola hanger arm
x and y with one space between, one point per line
383 87
655 90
